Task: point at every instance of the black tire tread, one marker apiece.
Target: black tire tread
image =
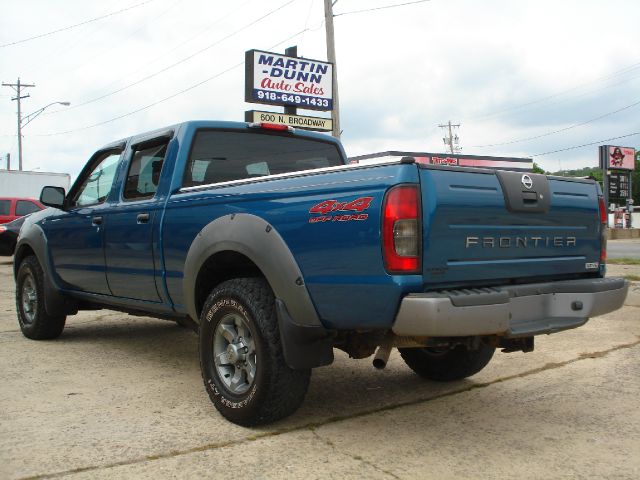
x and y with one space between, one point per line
285 387
456 364
44 326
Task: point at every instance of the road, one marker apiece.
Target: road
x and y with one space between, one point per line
623 249
121 397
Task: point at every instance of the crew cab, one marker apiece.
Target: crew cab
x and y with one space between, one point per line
277 251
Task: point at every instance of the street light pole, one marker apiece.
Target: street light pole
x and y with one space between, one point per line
22 122
28 118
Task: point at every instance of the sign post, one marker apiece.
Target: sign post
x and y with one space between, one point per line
617 163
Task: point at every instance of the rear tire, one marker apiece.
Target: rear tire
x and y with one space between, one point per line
33 318
241 356
447 365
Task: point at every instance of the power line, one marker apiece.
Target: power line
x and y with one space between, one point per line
163 55
586 144
76 25
155 74
616 73
380 8
146 107
81 40
559 130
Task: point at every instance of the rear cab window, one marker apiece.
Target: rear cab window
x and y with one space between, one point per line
222 156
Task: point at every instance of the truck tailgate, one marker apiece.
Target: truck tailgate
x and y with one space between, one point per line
492 226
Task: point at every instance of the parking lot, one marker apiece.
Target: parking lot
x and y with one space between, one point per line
119 397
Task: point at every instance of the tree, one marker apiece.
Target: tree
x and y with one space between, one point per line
537 169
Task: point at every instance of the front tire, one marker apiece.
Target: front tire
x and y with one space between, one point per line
241 356
445 365
33 318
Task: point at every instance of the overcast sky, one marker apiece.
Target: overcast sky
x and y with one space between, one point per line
504 70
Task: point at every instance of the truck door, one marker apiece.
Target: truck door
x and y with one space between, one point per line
131 223
75 235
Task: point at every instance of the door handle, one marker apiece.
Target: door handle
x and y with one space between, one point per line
96 221
143 217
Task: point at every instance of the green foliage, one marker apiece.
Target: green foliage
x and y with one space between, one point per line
537 169
581 172
596 173
623 261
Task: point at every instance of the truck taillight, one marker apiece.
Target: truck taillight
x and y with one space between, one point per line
401 229
603 229
603 210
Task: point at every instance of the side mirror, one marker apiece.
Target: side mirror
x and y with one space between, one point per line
52 197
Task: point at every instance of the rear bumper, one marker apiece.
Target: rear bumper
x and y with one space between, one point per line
512 311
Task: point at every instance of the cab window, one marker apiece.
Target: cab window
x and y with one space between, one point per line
144 171
97 184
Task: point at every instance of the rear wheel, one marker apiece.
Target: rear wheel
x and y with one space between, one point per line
241 357
447 364
33 318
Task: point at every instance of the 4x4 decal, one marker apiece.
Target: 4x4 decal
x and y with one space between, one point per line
324 208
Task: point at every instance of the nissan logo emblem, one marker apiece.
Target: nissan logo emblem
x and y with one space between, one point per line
526 181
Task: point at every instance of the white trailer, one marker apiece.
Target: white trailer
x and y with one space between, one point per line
16 183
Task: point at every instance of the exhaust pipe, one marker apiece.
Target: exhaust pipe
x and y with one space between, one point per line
382 354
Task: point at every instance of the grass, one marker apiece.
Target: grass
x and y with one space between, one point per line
624 261
633 278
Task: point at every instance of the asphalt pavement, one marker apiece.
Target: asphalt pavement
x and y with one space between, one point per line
623 248
121 397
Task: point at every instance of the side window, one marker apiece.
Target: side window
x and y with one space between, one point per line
97 184
24 207
5 207
144 172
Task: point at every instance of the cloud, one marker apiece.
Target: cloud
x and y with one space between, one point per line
402 71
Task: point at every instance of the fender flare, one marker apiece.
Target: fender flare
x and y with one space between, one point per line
305 341
33 237
257 240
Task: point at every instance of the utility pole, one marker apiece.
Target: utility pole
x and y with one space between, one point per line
291 52
331 57
8 161
18 89
453 141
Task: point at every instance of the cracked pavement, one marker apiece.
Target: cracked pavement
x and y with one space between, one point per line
121 397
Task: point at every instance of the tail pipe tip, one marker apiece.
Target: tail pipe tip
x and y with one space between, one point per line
382 355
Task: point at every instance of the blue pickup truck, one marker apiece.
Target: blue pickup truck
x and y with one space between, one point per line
276 250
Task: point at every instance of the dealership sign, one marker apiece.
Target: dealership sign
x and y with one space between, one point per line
295 121
274 79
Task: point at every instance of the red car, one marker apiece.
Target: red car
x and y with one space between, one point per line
12 208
